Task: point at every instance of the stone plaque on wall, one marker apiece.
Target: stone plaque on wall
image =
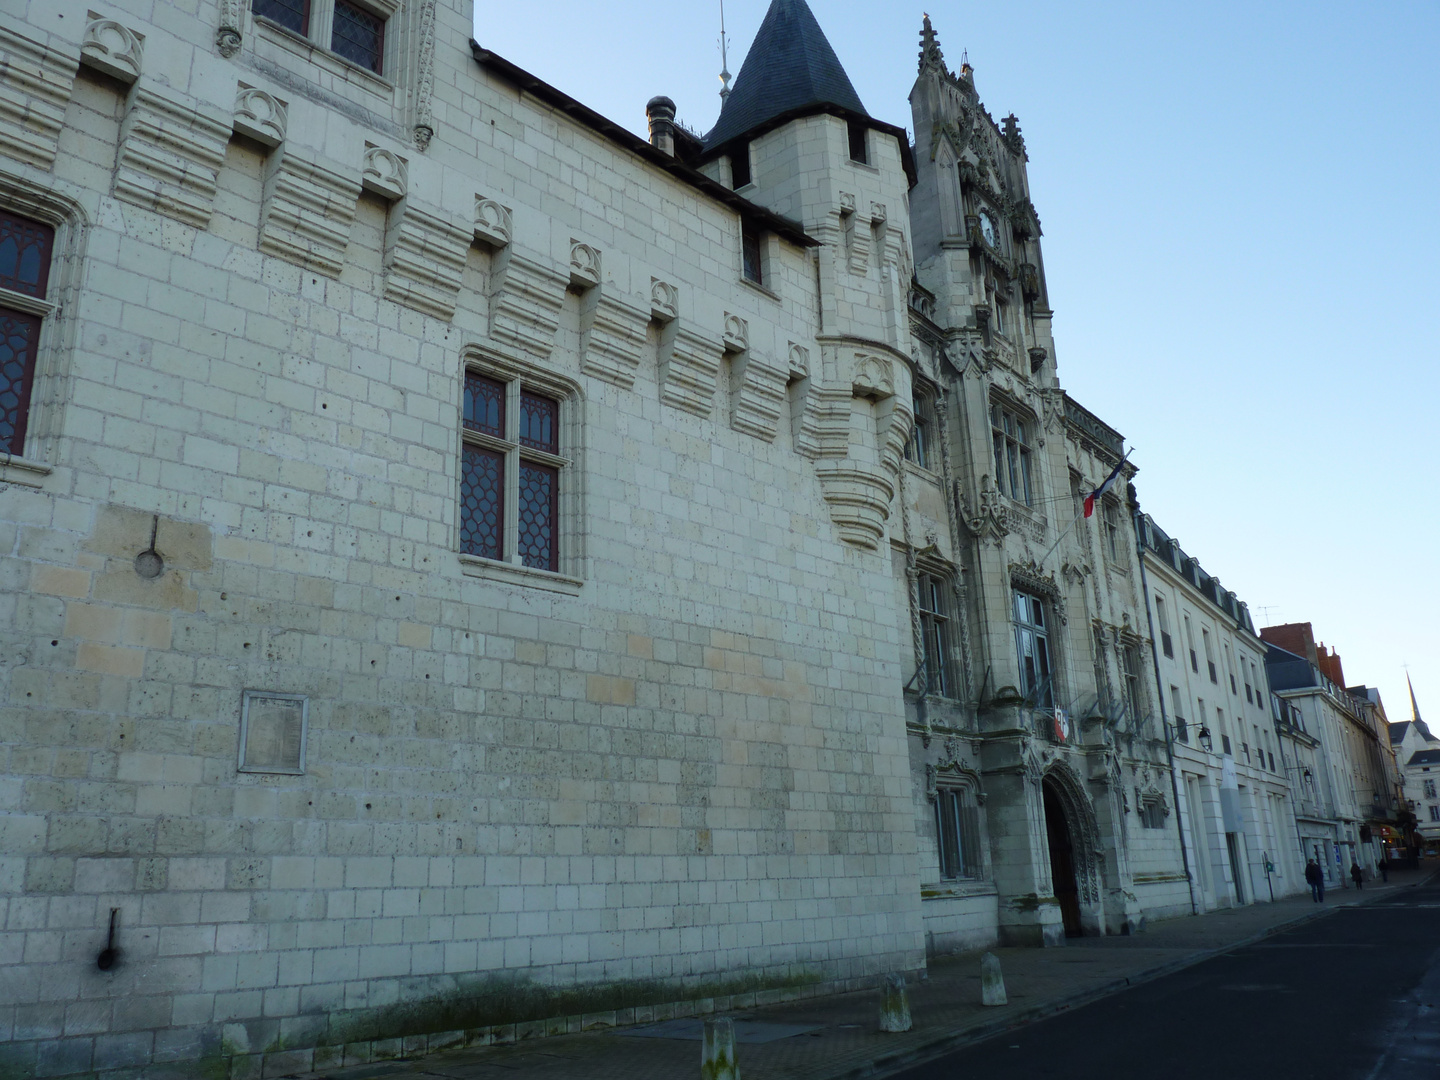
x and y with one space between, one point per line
272 732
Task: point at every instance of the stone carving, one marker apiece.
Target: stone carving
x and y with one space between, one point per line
664 301
612 337
493 223
757 396
525 302
423 90
873 377
384 173
260 116
688 366
306 213
35 84
953 759
859 495
1031 577
584 266
877 213
170 156
737 334
227 36
425 260
799 361
847 204
114 49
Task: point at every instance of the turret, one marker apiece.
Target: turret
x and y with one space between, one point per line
794 137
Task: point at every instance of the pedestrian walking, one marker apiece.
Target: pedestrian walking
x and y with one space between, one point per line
1356 875
1316 879
1384 869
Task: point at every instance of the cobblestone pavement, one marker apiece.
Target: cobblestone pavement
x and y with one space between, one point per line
840 1037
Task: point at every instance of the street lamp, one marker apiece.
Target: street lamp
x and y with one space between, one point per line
1207 742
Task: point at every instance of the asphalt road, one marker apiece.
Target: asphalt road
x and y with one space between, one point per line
1353 996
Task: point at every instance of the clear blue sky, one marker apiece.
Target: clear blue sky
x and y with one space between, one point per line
1242 235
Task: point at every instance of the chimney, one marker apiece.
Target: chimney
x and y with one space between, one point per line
661 113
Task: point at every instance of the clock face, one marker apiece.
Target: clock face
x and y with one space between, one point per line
987 229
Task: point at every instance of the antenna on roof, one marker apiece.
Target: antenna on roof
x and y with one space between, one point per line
724 56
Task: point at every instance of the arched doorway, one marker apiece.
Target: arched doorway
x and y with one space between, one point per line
1062 859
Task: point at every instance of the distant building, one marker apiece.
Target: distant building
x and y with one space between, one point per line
1419 753
1355 791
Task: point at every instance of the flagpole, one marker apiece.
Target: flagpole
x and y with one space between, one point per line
1081 514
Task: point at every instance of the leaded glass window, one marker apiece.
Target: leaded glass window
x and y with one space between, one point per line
510 473
358 35
482 503
25 251
539 507
485 405
291 14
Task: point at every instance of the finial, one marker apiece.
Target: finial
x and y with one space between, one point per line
724 57
930 54
966 71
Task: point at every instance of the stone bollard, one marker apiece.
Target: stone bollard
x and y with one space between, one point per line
717 1051
894 1004
992 982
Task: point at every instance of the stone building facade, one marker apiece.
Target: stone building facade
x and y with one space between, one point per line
446 561
1234 778
468 566
1348 784
1032 711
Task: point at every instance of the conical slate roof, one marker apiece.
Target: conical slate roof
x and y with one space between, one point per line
790 67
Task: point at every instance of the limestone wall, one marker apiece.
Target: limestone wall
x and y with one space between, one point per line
674 767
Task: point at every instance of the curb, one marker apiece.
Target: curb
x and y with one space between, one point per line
889 1064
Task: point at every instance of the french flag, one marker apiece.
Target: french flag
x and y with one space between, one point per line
1103 488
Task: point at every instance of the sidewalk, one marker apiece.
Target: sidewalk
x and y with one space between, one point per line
836 1038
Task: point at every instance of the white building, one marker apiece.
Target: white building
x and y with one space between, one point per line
1235 783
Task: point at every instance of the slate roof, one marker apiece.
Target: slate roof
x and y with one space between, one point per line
1397 732
790 69
1424 757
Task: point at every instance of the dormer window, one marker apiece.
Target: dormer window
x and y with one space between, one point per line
740 166
752 251
859 142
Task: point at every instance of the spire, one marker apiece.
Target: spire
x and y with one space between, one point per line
790 68
724 57
930 55
1414 708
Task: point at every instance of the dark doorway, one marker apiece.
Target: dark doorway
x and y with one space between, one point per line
1062 862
